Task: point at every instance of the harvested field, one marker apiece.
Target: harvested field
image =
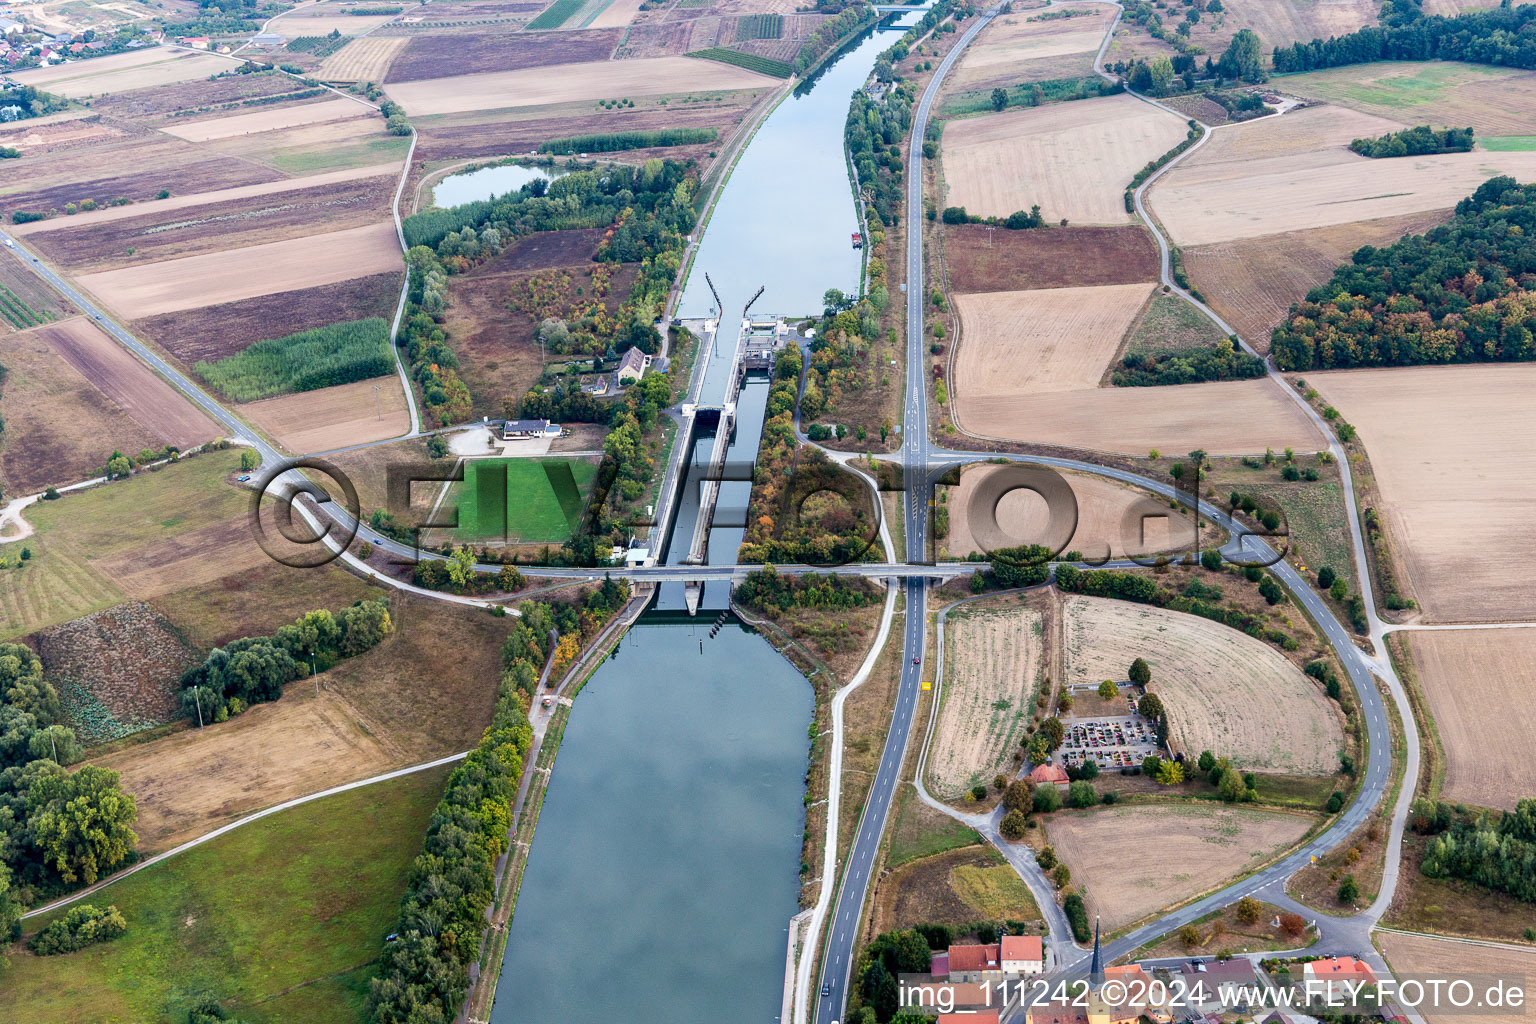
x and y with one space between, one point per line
1462 552
1494 101
1253 282
398 704
155 207
162 234
257 602
1245 196
117 670
1308 130
187 559
362 60
1073 159
496 350
129 383
1281 24
993 660
1218 843
235 274
270 119
430 57
1425 956
1223 417
334 417
171 100
121 72
589 81
83 129
1051 340
1102 507
662 38
1478 686
996 56
982 259
322 20
45 402
213 332
1225 691
498 133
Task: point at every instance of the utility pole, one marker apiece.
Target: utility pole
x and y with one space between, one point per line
197 695
378 401
312 673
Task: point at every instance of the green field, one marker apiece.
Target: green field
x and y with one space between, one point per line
281 920
1508 143
62 580
301 160
750 61
530 501
1393 86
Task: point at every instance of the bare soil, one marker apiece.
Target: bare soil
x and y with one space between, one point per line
49 186
334 417
982 259
273 117
362 60
1218 842
145 104
1428 956
1012 42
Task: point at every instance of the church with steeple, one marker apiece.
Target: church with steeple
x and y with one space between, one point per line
1100 1010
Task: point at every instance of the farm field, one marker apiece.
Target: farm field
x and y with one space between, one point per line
259 601
1170 324
154 207
323 19
395 705
1477 683
1281 24
24 298
956 888
1460 552
1052 340
158 235
1218 843
281 918
1073 159
993 659
1252 282
426 57
1102 506
1494 101
314 148
523 500
1424 955
193 281
1225 691
590 81
121 72
1223 417
272 119
978 258
213 332
85 540
1295 173
127 382
362 60
334 417
1004 50
137 170
617 14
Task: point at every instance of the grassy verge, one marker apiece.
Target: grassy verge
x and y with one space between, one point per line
1222 932
280 919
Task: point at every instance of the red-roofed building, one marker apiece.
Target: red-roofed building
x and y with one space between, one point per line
1345 972
975 963
988 1017
1023 954
938 966
1050 774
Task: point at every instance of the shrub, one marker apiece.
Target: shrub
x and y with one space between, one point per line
1046 800
84 925
1014 825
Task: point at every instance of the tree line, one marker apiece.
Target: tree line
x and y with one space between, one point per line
58 830
764 589
612 142
1420 141
424 968
1498 35
255 669
1461 292
1224 361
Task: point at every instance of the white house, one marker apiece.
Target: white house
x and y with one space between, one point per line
632 366
1023 954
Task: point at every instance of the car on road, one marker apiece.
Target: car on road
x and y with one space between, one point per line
245 478
916 661
826 989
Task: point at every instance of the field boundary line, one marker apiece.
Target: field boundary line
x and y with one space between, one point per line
224 829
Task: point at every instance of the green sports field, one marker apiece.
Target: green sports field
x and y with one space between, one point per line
528 501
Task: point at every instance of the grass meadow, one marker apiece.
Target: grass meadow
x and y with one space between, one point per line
526 500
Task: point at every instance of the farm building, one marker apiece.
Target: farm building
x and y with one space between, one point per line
632 366
519 430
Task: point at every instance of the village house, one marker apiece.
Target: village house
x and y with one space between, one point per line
1050 775
8 27
632 367
975 963
196 42
522 430
1340 976
1023 954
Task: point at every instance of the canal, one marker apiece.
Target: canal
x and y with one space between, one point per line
664 870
